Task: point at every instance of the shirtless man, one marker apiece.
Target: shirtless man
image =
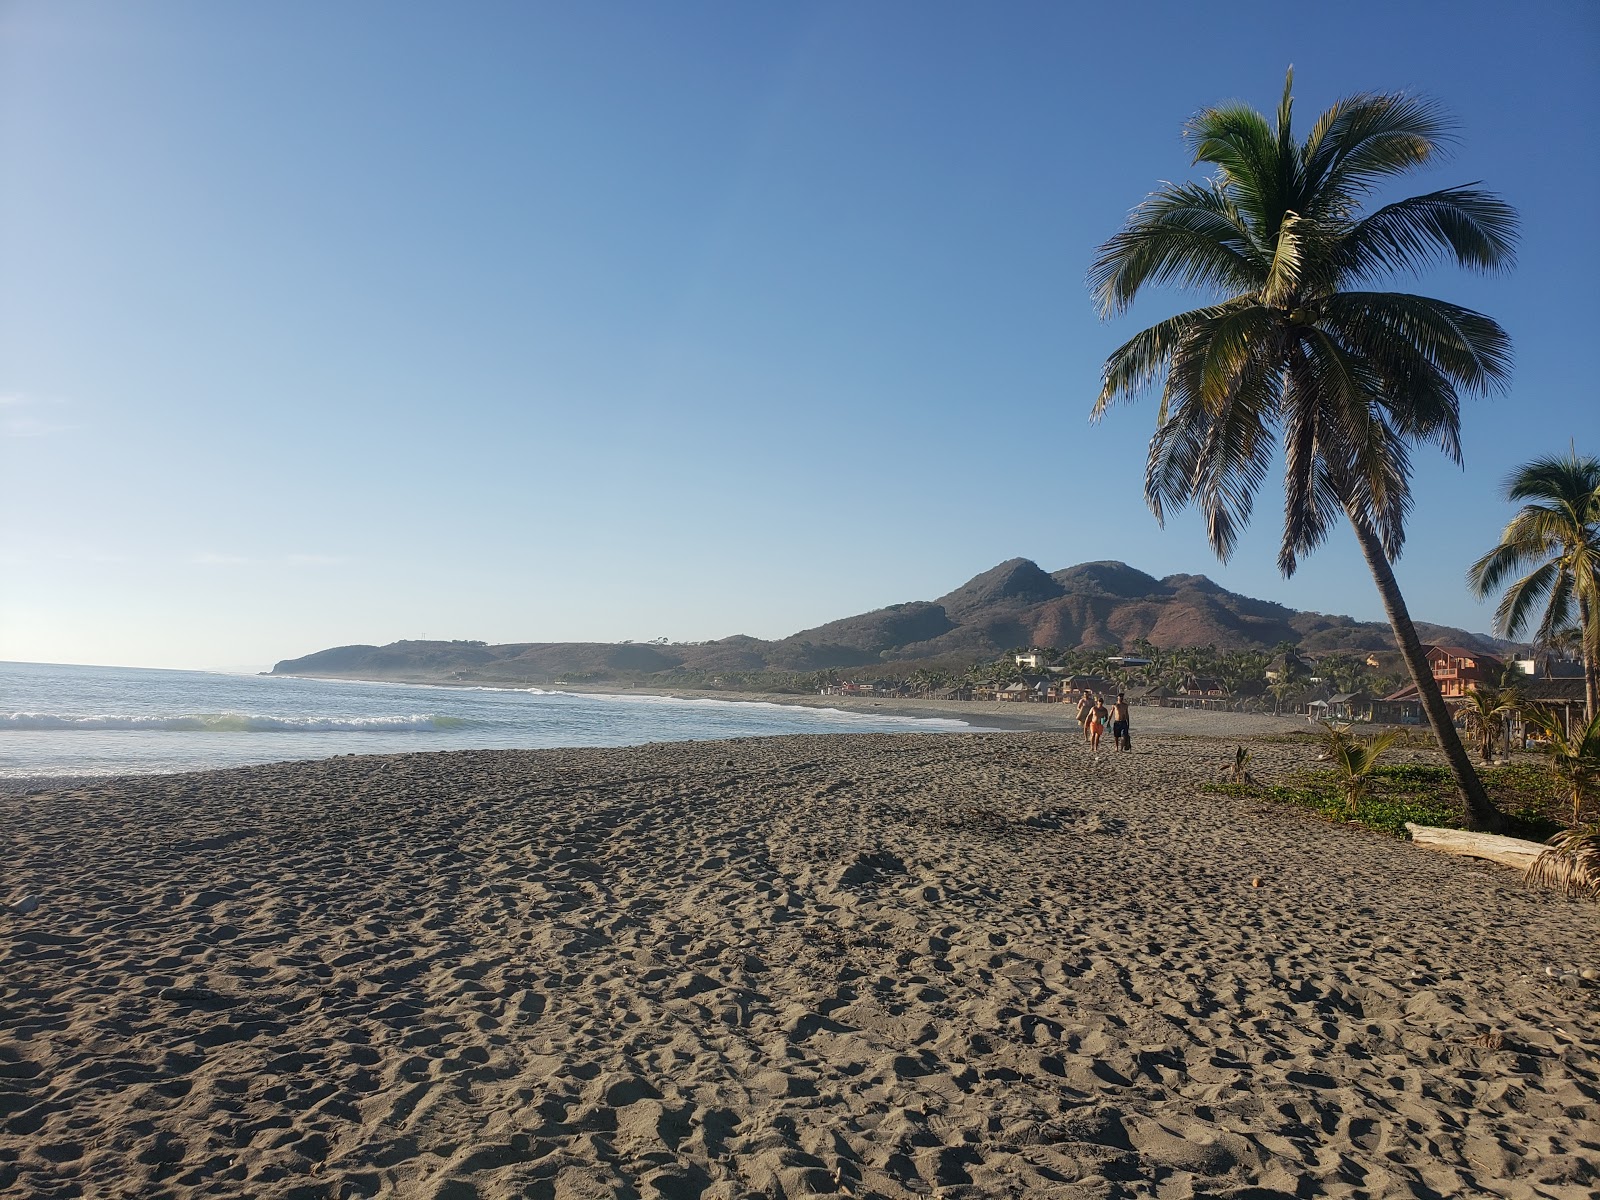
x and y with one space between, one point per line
1119 723
1085 703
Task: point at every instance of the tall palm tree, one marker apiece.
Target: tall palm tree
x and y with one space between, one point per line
1353 378
1557 533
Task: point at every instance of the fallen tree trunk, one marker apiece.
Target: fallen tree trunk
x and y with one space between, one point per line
1508 852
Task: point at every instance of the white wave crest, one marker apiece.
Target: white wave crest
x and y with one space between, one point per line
228 723
841 716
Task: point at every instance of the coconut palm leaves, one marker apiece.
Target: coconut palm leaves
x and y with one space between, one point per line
1555 539
1574 756
1485 709
1239 772
1571 862
1296 343
1354 760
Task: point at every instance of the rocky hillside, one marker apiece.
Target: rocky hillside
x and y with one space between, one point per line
1014 604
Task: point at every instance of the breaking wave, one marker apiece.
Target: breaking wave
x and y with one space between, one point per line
232 723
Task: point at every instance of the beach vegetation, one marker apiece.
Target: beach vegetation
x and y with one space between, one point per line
1421 793
1484 710
1571 862
1296 343
1548 560
1354 759
1573 754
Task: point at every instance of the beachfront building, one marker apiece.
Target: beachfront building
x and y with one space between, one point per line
1153 696
1031 688
1203 691
1344 706
1403 707
1456 671
1564 693
1350 706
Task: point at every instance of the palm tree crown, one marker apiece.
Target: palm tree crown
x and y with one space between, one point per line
1556 533
1352 377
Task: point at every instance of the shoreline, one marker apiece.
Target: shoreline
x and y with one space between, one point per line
983 715
976 717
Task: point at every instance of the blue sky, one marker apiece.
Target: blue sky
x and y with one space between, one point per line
345 323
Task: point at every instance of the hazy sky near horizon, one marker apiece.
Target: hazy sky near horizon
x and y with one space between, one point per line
324 324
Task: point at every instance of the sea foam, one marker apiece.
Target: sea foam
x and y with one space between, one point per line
230 723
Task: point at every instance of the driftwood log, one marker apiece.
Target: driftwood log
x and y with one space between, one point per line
1509 852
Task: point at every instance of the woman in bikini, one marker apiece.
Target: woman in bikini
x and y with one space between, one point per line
1097 722
1085 703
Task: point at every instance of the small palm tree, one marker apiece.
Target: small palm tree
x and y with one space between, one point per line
1241 767
1296 343
1485 708
1557 534
1574 755
1355 759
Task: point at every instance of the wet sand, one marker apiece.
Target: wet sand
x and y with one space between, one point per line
877 965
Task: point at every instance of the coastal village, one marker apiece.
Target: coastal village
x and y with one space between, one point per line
1288 684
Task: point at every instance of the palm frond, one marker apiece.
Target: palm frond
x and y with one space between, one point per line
1213 365
1145 358
1478 230
1221 393
1354 758
1283 272
1304 524
1397 331
1330 445
1367 139
1559 607
1170 460
1239 142
1378 479
1570 863
1216 462
1560 532
1570 482
1494 568
1190 235
1574 754
1540 529
1516 608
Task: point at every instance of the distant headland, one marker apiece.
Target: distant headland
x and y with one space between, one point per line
1017 604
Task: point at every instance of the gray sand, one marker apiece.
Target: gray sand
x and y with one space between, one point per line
911 965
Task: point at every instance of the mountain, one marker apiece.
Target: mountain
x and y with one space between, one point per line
1089 606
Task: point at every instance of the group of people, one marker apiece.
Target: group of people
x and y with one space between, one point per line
1094 716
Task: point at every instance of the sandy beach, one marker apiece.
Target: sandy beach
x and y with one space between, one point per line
960 965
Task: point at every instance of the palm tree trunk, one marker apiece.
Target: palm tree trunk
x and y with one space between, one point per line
1480 808
1591 670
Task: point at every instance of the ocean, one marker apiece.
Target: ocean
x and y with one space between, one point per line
73 720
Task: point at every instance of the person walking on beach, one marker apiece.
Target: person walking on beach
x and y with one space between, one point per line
1119 723
1085 703
1097 722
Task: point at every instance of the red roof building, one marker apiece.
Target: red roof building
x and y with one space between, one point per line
1456 670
